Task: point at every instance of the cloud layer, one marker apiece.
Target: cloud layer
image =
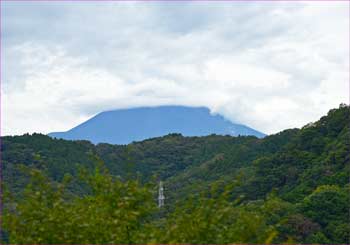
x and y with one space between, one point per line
270 66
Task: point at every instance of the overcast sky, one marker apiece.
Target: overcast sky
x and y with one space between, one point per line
268 65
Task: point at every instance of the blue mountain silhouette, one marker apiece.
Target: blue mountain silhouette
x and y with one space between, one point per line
127 125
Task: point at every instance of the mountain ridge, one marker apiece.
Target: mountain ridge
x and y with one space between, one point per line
124 126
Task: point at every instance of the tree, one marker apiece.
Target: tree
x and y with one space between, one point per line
327 203
114 212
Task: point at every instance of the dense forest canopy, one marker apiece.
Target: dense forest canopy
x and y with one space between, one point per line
291 187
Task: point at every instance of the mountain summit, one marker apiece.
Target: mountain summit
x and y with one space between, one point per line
127 125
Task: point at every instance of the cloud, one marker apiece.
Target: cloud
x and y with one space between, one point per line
267 65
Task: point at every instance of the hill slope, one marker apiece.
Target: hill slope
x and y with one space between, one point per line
308 169
128 125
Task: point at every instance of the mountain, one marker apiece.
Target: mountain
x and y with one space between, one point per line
300 177
127 125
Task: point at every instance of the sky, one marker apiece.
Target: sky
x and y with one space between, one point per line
268 65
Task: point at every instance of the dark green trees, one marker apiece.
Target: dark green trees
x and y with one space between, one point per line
289 187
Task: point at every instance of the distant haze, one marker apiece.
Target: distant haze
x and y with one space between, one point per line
125 126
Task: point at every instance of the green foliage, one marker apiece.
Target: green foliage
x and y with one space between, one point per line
216 220
326 204
297 227
115 212
119 212
291 187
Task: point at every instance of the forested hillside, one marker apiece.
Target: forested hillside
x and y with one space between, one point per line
289 187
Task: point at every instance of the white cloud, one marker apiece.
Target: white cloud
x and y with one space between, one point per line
268 65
